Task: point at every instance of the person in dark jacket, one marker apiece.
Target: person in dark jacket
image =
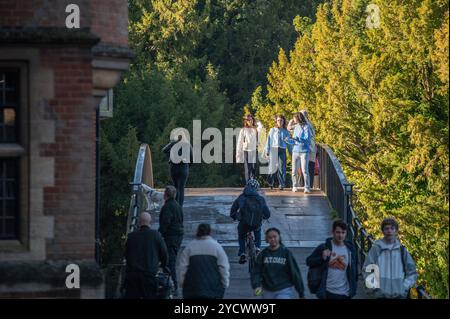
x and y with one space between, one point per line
276 272
180 155
171 228
145 253
204 270
339 261
251 190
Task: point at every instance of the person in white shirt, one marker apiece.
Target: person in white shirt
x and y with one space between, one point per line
246 147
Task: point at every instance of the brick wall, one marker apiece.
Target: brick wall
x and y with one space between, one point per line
106 18
72 198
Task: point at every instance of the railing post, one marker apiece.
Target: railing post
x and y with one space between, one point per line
348 190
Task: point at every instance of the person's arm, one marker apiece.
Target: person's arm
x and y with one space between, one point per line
268 142
256 274
240 147
183 266
165 217
234 208
163 254
305 137
291 125
266 210
224 266
168 146
296 275
316 258
410 271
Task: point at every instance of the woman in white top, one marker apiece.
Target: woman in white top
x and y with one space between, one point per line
246 147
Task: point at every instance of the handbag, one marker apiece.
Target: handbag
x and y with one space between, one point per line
317 167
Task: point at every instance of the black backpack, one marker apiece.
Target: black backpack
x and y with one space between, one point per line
252 212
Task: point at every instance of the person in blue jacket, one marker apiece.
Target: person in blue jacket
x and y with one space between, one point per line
250 194
275 149
300 153
339 263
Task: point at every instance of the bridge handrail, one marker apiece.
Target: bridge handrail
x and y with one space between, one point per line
141 186
334 183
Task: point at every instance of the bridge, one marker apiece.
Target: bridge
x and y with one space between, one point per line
304 220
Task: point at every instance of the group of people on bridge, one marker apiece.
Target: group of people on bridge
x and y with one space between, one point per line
297 137
203 269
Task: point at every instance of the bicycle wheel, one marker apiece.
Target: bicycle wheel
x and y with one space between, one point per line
251 253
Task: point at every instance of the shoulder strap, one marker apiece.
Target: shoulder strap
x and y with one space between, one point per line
404 256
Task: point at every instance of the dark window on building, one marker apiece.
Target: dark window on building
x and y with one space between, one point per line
9 177
9 105
9 166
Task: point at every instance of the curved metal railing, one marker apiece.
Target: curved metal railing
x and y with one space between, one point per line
143 198
333 182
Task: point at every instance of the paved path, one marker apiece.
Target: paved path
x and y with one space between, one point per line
304 222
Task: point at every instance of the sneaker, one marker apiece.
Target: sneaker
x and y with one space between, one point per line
294 189
242 259
281 188
307 191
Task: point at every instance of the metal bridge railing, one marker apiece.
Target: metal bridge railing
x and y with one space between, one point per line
143 198
333 182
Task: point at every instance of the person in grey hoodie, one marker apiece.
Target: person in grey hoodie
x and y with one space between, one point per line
397 270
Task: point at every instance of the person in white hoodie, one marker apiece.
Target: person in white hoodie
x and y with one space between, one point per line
246 149
204 270
397 270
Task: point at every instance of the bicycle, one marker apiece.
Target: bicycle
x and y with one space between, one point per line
250 247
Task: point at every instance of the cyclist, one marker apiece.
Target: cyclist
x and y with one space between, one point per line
249 209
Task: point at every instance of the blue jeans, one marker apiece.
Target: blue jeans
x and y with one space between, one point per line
243 229
281 165
250 164
286 293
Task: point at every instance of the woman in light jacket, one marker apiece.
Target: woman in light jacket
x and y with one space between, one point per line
246 147
275 149
300 152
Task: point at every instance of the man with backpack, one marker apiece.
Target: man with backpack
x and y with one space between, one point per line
249 209
333 271
396 269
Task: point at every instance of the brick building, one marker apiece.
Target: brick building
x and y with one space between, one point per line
52 80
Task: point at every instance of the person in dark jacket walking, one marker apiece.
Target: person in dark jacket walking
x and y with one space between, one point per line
240 208
180 155
171 228
145 252
204 270
338 260
276 272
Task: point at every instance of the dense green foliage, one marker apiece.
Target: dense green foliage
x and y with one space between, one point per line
379 98
195 59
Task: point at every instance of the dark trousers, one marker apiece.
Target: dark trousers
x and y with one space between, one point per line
250 164
179 174
173 246
311 169
281 171
329 295
140 286
243 229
